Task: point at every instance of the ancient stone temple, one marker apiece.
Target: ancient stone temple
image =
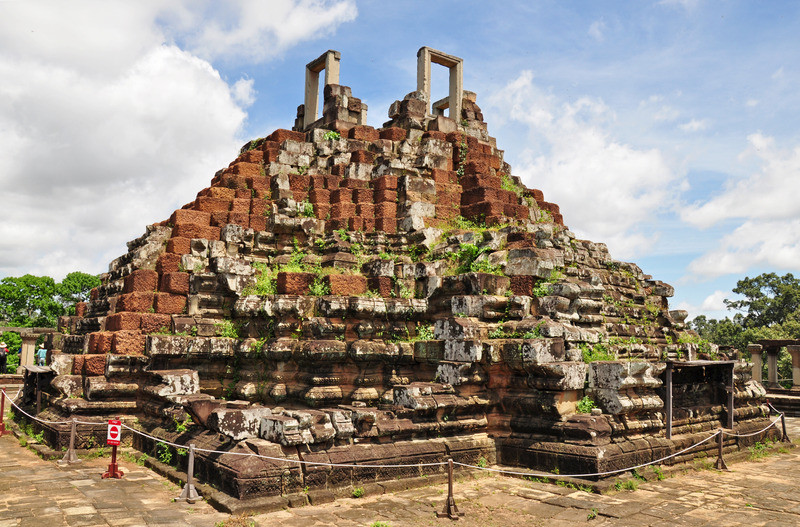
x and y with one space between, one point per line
363 296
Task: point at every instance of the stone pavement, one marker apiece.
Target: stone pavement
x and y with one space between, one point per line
34 492
758 493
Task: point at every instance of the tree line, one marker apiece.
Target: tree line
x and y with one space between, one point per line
769 309
38 301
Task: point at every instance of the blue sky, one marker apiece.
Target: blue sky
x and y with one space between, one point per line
666 129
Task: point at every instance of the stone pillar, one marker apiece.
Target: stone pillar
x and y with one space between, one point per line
755 357
329 61
772 367
28 351
425 56
794 351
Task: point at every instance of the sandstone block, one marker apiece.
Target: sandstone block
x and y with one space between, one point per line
213 204
152 322
176 283
169 303
141 280
238 424
198 217
68 385
100 342
294 283
124 320
176 382
168 263
383 285
179 245
281 135
393 134
346 285
141 302
127 343
364 133
385 182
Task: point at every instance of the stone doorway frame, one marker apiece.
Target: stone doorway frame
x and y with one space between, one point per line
455 65
328 61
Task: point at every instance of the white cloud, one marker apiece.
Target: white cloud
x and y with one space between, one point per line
107 125
772 244
751 103
257 30
605 189
658 109
778 74
767 207
243 92
715 301
769 194
712 306
597 30
695 125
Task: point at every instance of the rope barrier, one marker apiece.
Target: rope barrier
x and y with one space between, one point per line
773 423
416 465
607 473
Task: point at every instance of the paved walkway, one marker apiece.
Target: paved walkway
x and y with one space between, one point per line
34 492
759 493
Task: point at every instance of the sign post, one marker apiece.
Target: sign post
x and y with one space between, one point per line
113 437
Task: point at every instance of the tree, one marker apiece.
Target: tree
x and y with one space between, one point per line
770 310
29 300
75 287
769 299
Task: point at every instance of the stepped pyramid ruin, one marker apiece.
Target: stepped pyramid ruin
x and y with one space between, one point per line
388 296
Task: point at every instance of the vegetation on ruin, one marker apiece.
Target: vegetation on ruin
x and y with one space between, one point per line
227 329
331 135
596 353
585 405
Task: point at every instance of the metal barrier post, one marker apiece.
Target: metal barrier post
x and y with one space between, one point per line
113 470
783 426
3 430
189 493
450 509
720 465
70 457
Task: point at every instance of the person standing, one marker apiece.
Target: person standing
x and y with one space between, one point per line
3 357
41 356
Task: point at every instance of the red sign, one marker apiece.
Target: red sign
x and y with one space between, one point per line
114 432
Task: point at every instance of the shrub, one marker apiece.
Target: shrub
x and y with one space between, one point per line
586 405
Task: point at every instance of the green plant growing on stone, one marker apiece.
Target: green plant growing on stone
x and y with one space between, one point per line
659 473
182 426
596 353
305 209
379 524
319 287
331 135
343 234
637 475
227 329
585 405
164 453
630 484
358 492
592 514
482 462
